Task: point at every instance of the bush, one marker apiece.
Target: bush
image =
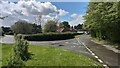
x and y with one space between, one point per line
20 53
21 47
15 62
50 36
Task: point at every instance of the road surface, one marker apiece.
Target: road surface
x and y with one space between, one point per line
108 57
70 44
8 39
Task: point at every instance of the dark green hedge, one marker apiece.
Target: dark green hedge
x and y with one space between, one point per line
50 36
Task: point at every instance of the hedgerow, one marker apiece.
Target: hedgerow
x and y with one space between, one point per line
50 36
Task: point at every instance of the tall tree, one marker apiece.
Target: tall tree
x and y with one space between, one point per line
61 25
36 28
22 27
66 24
50 26
102 19
79 26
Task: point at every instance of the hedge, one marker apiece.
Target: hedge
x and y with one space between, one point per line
50 36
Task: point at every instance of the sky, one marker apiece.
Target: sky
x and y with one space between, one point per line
76 11
72 12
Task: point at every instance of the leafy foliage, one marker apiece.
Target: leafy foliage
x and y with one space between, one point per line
21 53
23 27
6 30
21 48
79 26
1 32
66 24
36 28
50 36
61 25
15 62
50 26
102 19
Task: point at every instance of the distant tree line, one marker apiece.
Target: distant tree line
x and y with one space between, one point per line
23 27
5 30
103 20
79 26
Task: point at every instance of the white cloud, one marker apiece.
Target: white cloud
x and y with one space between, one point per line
74 15
45 18
35 8
62 12
27 10
78 19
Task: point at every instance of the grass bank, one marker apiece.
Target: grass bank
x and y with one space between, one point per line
105 42
49 56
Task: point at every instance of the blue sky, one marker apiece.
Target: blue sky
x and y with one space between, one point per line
71 7
64 11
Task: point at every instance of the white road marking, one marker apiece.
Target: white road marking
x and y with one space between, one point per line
104 65
100 60
93 54
96 57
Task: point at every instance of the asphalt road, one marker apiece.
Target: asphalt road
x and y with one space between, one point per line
109 57
8 39
70 44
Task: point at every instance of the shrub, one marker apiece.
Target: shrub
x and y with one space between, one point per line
21 47
15 62
50 36
20 52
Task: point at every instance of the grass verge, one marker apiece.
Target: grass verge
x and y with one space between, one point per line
105 42
78 36
49 56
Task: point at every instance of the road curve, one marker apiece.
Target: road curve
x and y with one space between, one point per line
109 57
7 39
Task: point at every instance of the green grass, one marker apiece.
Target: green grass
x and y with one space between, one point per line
7 50
49 56
114 45
78 36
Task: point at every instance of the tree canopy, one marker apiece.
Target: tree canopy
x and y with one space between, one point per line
103 19
79 26
66 24
50 26
23 27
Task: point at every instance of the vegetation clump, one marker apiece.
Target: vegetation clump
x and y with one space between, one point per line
51 36
103 21
23 27
21 53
